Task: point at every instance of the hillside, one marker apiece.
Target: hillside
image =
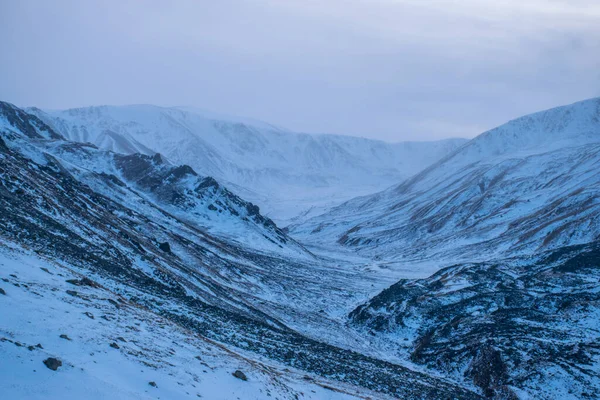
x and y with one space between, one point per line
526 186
128 237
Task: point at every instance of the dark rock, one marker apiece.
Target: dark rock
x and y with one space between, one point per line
72 293
46 270
181 171
240 375
487 369
89 314
153 384
29 124
83 282
114 345
2 291
165 247
252 209
157 158
206 183
114 303
63 336
52 363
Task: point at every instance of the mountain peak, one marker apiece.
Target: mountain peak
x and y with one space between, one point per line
551 128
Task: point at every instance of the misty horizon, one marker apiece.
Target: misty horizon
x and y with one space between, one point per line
393 71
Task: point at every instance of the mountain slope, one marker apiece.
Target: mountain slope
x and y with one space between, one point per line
122 235
287 174
112 348
529 185
525 325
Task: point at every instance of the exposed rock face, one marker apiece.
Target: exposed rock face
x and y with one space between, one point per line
26 124
165 246
487 370
524 322
240 375
182 187
52 363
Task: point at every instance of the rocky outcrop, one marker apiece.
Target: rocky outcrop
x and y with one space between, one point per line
528 323
52 363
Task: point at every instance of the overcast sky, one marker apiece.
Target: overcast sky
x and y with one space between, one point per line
386 69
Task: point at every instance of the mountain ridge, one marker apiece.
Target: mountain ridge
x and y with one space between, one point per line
286 173
481 193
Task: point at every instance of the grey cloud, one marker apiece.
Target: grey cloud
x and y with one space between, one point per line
389 69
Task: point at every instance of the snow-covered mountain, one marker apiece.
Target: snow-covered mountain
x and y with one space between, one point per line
127 244
139 180
526 186
287 174
513 217
141 277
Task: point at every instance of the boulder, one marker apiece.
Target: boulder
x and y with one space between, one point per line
240 375
52 363
165 246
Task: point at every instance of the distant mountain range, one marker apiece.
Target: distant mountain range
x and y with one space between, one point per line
287 174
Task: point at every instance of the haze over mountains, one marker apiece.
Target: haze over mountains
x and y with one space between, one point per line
288 174
165 263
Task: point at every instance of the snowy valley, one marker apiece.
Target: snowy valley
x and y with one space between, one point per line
169 253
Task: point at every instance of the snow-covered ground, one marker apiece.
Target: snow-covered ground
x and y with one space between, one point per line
114 349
